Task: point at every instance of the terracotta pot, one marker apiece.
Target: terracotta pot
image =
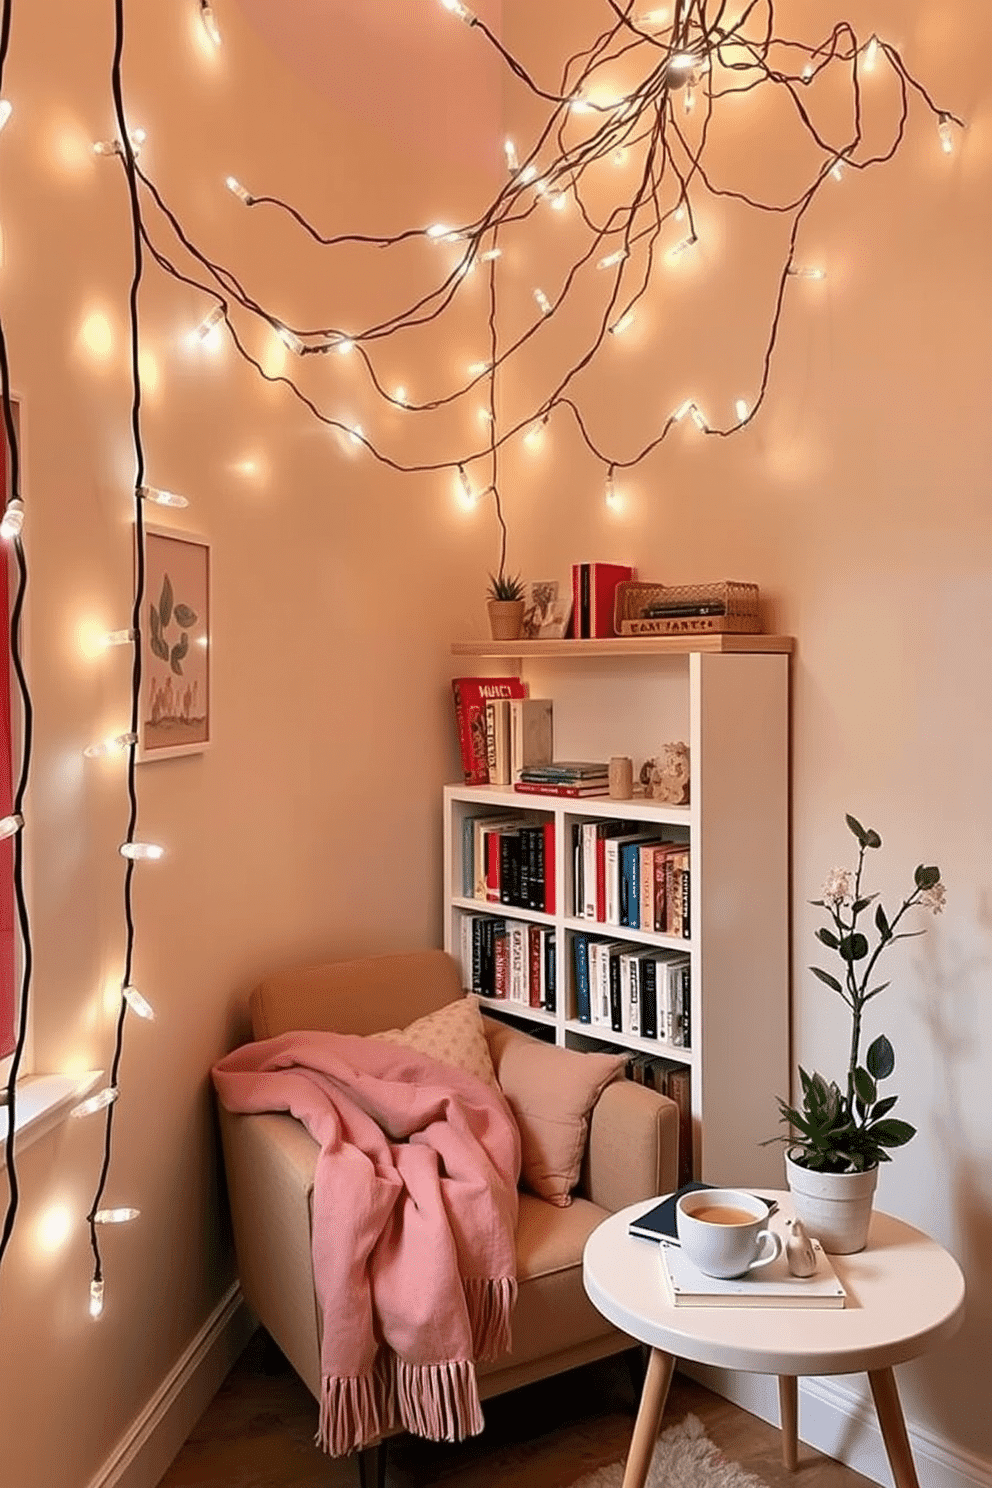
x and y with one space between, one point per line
834 1207
506 618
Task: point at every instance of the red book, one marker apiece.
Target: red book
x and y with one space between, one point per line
471 695
534 973
594 587
539 788
549 867
501 965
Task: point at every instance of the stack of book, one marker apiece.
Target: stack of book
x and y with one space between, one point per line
508 960
565 778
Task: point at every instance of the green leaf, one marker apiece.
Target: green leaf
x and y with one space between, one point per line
860 905
865 1086
881 923
160 649
926 877
884 1107
854 947
829 938
872 839
185 616
881 1058
875 990
156 628
857 829
178 652
165 601
825 976
891 1132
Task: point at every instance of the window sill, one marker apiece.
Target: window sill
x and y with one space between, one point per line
42 1102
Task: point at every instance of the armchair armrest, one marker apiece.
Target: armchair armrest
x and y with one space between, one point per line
269 1161
633 1146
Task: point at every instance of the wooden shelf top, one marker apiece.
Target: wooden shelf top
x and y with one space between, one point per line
655 645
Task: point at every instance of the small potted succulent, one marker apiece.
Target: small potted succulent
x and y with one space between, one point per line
840 1134
506 606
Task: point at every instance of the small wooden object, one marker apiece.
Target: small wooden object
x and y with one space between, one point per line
667 778
721 607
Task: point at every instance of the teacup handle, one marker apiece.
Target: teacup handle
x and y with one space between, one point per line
765 1237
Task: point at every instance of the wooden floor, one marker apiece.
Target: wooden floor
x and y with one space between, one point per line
258 1433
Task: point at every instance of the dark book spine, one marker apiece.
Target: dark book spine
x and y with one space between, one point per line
649 998
616 1011
537 887
550 971
477 955
580 951
509 868
524 858
584 602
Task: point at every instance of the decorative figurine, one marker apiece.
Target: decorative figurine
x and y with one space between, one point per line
667 779
799 1250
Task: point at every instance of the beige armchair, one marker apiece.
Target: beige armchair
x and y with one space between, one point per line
269 1160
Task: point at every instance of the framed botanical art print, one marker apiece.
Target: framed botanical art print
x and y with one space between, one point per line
174 705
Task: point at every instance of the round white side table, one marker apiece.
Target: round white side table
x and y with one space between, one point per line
905 1294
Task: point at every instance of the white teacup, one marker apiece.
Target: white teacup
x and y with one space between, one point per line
724 1232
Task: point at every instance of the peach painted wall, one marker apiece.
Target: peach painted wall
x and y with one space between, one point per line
859 501
311 828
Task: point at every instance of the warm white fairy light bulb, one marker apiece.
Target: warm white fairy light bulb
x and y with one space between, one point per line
113 744
742 410
512 159
94 1103
461 11
344 346
468 495
115 1216
945 132
138 1004
557 201
812 272
476 369
96 1298
356 434
206 330
288 338
871 54
12 521
119 637
485 415
611 495
543 303
400 396
490 254
235 187
677 249
141 851
682 410
624 323
10 824
612 259
210 22
6 109
160 498
837 170
534 437
689 97
696 415
528 174
808 71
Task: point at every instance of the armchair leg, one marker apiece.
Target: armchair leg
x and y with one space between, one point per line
372 1466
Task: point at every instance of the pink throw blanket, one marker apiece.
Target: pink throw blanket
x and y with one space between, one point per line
414 1224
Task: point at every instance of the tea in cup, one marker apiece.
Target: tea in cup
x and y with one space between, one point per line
724 1232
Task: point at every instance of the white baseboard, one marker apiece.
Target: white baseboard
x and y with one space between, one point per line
153 1439
841 1424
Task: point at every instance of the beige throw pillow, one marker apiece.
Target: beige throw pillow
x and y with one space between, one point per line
551 1092
454 1035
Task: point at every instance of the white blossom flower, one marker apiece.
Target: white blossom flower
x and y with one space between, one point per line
934 899
839 886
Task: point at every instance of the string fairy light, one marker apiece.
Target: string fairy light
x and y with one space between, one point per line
6 109
693 50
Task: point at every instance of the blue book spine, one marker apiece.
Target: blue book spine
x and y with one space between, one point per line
583 1007
468 857
551 997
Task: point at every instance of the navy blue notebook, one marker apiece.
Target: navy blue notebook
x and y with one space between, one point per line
659 1223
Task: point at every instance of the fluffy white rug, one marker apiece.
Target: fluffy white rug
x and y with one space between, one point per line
683 1458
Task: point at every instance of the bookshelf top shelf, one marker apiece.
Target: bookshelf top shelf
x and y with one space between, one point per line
679 645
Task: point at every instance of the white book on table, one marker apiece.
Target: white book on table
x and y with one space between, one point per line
770 1286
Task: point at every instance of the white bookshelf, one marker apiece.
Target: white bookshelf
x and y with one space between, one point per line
732 707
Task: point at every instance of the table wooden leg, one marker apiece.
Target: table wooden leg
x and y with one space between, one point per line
788 1416
649 1413
893 1424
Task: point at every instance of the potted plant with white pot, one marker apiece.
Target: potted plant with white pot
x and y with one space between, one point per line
840 1134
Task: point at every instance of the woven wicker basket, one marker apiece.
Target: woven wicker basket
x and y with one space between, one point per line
734 608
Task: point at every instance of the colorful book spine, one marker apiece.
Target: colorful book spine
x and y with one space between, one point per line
470 697
580 952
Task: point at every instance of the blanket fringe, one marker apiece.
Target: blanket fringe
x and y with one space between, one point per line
439 1401
353 1413
490 1302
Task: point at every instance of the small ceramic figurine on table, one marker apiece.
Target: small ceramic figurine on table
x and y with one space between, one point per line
799 1250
